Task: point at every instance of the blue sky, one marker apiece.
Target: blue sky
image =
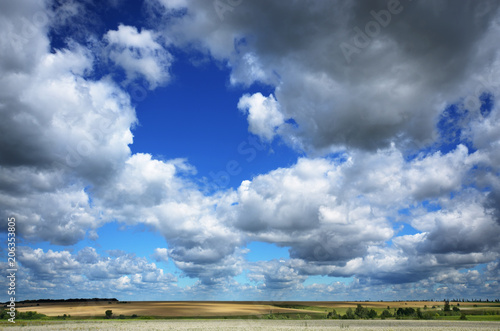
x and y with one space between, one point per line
251 150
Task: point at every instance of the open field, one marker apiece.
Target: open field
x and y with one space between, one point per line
161 309
193 309
376 325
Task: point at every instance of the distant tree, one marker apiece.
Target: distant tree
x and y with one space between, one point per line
385 314
372 313
109 313
405 312
419 314
361 312
333 315
349 314
446 306
456 309
463 316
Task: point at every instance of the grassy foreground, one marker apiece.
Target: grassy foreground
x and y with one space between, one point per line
252 324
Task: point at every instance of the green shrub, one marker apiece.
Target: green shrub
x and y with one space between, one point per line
386 314
349 315
30 315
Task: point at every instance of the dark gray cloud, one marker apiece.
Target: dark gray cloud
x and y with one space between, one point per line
276 275
493 204
403 51
463 226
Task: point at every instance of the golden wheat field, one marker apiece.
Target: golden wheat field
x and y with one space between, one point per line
160 309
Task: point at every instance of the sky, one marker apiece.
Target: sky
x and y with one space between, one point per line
251 150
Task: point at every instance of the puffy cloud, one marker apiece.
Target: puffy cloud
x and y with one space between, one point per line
264 118
153 192
161 255
61 131
139 54
302 208
73 118
64 132
62 217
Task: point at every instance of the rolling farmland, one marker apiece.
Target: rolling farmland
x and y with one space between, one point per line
266 315
200 309
162 309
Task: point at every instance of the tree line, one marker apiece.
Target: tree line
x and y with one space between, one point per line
66 300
